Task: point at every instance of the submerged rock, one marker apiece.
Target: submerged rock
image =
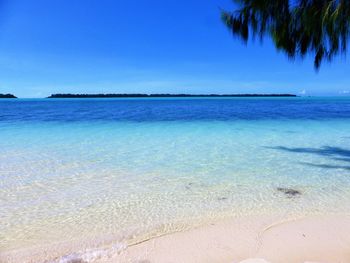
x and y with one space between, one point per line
289 192
189 186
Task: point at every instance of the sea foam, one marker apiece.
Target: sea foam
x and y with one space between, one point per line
90 255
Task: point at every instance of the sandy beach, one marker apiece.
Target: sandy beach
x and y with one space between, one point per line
310 239
322 238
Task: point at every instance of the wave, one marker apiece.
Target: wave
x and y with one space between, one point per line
90 255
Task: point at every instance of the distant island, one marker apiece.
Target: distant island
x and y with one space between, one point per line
7 96
68 95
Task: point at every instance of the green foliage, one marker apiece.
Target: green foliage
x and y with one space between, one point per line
297 27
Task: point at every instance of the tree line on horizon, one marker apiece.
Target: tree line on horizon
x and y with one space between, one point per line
7 96
140 95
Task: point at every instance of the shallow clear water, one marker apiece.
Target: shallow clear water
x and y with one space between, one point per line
130 169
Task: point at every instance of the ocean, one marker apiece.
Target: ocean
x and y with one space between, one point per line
120 171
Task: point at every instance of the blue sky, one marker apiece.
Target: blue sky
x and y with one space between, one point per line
144 46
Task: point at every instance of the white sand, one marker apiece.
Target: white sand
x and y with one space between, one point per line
322 239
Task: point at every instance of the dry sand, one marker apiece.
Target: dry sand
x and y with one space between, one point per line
323 239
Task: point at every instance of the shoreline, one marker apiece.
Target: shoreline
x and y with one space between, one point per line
323 238
314 238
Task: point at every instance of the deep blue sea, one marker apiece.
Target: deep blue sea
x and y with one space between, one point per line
125 170
174 109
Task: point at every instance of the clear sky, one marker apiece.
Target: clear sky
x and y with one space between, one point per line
144 46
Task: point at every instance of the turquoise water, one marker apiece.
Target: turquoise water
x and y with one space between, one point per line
128 170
